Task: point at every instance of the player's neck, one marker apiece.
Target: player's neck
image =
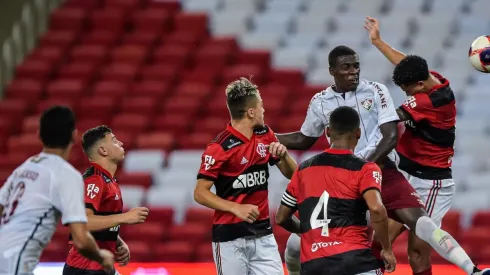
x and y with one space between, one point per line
243 127
341 145
63 153
107 165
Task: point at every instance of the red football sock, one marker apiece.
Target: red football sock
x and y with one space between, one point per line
376 248
427 272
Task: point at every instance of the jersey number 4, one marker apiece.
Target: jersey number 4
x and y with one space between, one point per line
315 220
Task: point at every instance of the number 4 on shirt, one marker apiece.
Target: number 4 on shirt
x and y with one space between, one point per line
315 220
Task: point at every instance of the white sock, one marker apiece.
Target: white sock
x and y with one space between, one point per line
443 243
292 255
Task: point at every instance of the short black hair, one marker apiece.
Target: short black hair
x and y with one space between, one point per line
338 52
56 127
92 136
410 70
344 120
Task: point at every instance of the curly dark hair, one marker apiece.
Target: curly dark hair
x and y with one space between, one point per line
410 70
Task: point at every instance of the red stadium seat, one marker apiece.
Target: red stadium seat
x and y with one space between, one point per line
12 161
162 215
141 251
228 43
30 125
233 73
151 88
89 53
183 39
87 123
217 106
58 38
130 122
215 56
125 5
55 251
62 233
481 218
170 6
13 108
191 22
289 124
199 215
205 253
35 69
84 4
452 223
45 104
477 236
150 20
291 78
174 55
196 140
84 71
197 90
299 106
51 54
100 38
110 88
205 75
155 140
159 72
127 138
26 143
7 127
213 124
4 174
141 38
259 58
154 231
112 20
139 105
120 72
175 124
182 105
96 107
138 179
25 89
71 19
134 55
66 88
174 251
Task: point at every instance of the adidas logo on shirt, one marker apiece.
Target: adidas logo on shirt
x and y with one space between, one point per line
244 161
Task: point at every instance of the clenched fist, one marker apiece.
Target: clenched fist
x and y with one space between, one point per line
246 212
136 215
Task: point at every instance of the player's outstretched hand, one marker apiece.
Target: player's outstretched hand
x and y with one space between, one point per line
372 26
136 215
107 260
246 212
389 259
277 149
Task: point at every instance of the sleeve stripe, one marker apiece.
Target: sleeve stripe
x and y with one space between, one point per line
288 196
289 204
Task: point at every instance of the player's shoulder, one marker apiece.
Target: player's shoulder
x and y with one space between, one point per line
223 142
375 87
349 162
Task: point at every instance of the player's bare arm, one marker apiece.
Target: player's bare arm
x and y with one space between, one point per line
379 222
286 219
393 55
133 216
296 140
204 196
403 115
387 143
85 244
286 163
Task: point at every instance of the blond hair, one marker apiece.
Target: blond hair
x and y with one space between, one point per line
239 94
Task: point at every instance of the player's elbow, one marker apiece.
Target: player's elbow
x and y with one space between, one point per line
377 210
281 217
199 194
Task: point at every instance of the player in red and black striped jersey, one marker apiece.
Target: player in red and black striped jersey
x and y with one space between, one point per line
103 202
236 163
332 192
426 151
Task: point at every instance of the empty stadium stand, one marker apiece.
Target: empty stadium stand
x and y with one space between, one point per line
155 72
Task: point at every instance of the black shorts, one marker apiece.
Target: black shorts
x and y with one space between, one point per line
70 270
347 263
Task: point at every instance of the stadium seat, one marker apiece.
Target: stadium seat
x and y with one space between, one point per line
199 215
174 251
68 19
150 88
66 88
110 88
144 160
129 54
143 105
130 122
132 195
141 251
141 38
204 253
154 231
191 232
83 71
96 107
109 19
102 38
89 53
120 71
139 179
175 124
162 215
156 140
150 20
25 89
35 69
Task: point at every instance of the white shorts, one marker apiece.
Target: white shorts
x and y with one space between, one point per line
248 256
437 195
13 262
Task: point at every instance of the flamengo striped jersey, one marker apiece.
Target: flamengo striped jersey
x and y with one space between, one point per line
37 193
371 100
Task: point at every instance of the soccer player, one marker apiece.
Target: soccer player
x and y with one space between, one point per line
378 139
332 192
426 148
103 202
37 193
236 163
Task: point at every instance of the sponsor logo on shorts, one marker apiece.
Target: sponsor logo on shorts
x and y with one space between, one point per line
316 246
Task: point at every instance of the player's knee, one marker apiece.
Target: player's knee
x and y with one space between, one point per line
293 247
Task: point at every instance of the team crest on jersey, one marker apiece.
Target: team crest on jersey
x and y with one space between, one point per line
261 150
367 104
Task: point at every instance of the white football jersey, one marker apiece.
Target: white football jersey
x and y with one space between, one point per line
40 191
371 100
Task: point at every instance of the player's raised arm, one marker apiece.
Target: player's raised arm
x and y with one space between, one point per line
284 215
313 127
370 188
393 55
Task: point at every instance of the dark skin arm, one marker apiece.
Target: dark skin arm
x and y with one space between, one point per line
404 116
285 219
389 131
296 140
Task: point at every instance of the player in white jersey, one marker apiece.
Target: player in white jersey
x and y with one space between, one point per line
379 132
40 191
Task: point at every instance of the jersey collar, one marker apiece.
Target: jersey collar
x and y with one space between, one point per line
338 151
237 134
104 171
